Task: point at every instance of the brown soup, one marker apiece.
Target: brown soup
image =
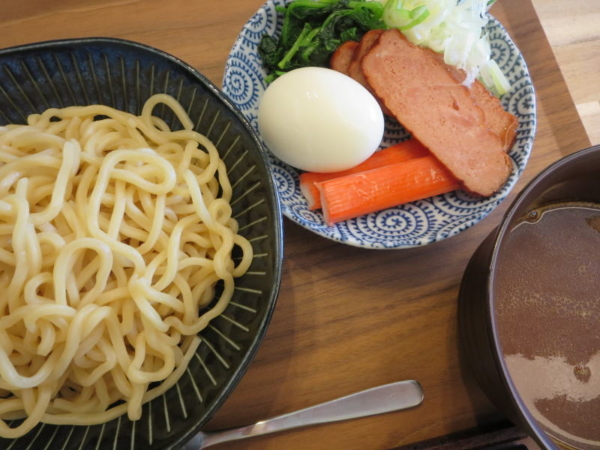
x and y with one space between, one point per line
548 315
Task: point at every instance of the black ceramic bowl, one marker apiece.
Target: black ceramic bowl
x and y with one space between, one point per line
123 75
573 178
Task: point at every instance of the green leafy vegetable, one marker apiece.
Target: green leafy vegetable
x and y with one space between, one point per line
351 34
270 51
313 29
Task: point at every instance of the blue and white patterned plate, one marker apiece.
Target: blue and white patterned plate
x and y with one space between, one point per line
414 224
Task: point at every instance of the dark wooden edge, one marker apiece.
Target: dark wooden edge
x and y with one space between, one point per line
498 436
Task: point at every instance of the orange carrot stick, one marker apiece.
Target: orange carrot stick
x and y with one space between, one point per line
396 153
362 193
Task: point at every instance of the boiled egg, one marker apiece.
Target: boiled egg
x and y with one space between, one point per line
320 120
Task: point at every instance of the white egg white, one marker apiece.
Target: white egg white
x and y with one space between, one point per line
320 120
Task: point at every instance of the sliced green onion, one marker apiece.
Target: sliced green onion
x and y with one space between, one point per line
501 84
395 16
417 15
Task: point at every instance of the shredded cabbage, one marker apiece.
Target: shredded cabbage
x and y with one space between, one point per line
454 28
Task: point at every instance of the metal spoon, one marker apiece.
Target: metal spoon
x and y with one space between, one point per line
378 400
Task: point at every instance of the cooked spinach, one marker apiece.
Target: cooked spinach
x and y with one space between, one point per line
313 29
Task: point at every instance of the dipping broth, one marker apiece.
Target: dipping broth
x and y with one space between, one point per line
547 291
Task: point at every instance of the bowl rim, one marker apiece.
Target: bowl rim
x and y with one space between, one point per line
393 243
199 78
501 233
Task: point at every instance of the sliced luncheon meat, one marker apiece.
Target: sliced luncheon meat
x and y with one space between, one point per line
438 110
355 69
342 57
367 41
499 121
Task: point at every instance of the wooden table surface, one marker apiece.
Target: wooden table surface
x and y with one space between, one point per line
573 32
347 319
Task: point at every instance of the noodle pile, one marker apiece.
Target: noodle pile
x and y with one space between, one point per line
114 231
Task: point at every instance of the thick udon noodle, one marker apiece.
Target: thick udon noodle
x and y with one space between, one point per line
114 231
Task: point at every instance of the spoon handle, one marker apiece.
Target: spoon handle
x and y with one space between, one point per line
378 400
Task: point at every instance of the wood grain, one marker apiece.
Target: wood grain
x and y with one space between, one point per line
572 28
347 319
590 116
